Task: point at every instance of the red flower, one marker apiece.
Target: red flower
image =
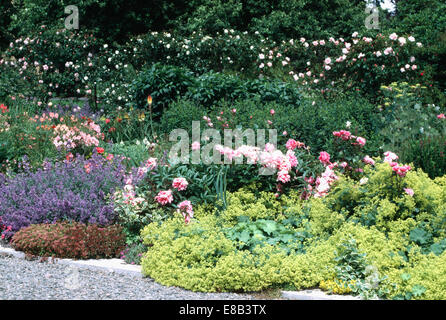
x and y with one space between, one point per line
3 108
107 121
100 150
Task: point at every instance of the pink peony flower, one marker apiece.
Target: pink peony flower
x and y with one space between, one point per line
291 144
401 170
185 208
360 141
180 184
409 191
269 147
283 176
324 158
151 163
441 116
164 197
368 160
390 156
292 158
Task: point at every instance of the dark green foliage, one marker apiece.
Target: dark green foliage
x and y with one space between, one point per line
164 83
6 10
111 20
428 154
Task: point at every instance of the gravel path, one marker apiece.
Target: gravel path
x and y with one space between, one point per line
32 280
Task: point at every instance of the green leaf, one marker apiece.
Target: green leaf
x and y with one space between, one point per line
245 236
420 236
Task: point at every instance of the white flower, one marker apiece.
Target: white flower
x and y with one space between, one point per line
363 181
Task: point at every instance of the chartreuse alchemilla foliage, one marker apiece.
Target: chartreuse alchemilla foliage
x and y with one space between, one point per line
398 250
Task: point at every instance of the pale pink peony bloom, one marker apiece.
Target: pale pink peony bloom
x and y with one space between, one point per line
283 176
292 158
151 163
180 184
409 191
269 147
390 156
368 160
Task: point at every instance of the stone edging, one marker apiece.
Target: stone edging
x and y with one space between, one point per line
107 265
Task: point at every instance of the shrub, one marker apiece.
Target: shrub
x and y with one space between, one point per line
70 240
429 154
163 82
74 190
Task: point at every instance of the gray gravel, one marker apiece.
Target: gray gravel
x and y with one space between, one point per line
33 280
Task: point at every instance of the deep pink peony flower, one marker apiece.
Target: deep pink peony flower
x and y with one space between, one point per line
324 158
291 144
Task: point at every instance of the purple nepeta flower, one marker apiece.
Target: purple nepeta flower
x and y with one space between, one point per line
61 191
